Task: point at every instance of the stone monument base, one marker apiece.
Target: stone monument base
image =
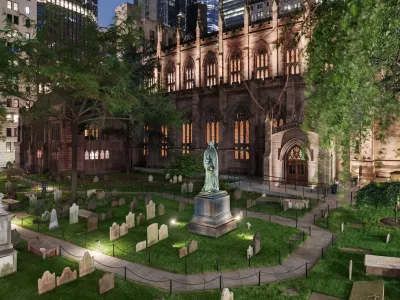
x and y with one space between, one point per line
8 262
212 215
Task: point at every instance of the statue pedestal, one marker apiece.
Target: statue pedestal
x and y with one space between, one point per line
8 256
212 214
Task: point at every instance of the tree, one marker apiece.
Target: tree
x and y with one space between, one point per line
188 165
393 194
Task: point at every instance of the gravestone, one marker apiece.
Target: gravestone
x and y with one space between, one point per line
114 204
163 232
170 181
174 179
167 176
140 196
130 220
250 252
106 283
248 226
57 195
350 269
184 188
73 214
161 210
123 229
183 252
181 204
109 214
90 193
65 210
93 222
190 187
66 276
150 178
9 186
150 210
92 205
115 193
140 219
86 265
180 178
147 199
256 243
102 217
237 194
95 179
15 237
192 246
342 227
134 205
100 195
46 216
121 202
53 220
47 282
140 246
388 238
114 232
264 195
226 294
32 199
152 234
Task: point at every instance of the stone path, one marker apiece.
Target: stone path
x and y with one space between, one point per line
293 267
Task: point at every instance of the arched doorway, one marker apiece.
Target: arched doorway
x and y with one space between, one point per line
296 166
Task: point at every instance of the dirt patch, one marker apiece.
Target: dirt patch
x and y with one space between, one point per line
291 291
390 222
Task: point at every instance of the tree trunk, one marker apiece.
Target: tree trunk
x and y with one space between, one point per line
395 212
74 163
128 150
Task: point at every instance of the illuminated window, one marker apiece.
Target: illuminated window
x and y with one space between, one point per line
107 156
242 134
210 69
27 10
92 132
212 127
15 6
9 4
292 62
189 74
145 140
8 146
234 66
170 77
164 140
261 61
91 155
96 154
187 134
101 154
86 155
39 154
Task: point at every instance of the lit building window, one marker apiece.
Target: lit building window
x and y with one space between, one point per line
91 155
92 132
27 10
8 146
187 135
189 74
212 128
9 4
86 155
242 134
261 61
292 62
146 140
107 156
170 77
96 154
39 154
15 6
101 154
234 66
164 140
210 69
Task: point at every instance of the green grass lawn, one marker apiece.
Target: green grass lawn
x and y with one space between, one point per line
230 249
3 180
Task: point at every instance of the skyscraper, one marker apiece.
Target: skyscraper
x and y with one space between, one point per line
212 14
233 12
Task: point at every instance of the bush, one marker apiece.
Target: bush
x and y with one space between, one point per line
375 193
186 165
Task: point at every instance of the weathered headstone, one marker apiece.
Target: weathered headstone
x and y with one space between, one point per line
180 178
15 237
388 238
114 204
150 178
66 276
226 294
147 199
73 214
170 181
350 269
109 214
167 176
47 282
86 265
130 220
190 187
32 199
114 193
174 179
248 226
123 229
90 193
183 252
181 204
134 205
57 195
140 219
140 246
53 220
163 232
250 203
250 252
192 246
161 210
152 234
95 179
102 217
92 205
150 210
65 210
93 222
237 194
121 202
106 283
100 195
342 227
264 195
184 188
256 243
46 216
9 186
114 232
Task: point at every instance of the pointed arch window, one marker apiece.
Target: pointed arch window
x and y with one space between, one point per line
189 74
96 154
170 77
107 154
212 128
292 61
164 140
261 61
210 69
235 66
86 155
92 132
241 134
187 135
91 155
145 140
102 154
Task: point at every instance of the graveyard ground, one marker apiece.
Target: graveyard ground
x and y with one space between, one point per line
229 250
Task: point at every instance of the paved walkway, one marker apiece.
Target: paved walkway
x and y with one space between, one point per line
306 256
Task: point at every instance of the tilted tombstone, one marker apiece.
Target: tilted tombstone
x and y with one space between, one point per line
114 232
121 202
163 232
256 243
100 195
174 179
226 294
167 176
250 252
93 222
32 199
150 210
161 209
140 219
90 193
95 179
46 216
15 237
184 188
183 252
147 199
47 282
57 195
180 178
152 234
106 283
140 246
193 245
134 205
123 229
102 217
109 214
86 265
237 194
53 220
190 187
130 220
115 193
150 178
74 214
66 276
114 204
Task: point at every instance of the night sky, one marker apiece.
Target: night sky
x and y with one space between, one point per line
106 10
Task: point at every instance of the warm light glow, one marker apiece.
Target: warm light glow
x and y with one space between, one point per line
172 221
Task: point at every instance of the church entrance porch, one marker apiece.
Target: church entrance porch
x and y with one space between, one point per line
296 166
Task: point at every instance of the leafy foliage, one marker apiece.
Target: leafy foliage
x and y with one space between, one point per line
187 165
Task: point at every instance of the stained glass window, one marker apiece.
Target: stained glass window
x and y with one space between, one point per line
241 134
